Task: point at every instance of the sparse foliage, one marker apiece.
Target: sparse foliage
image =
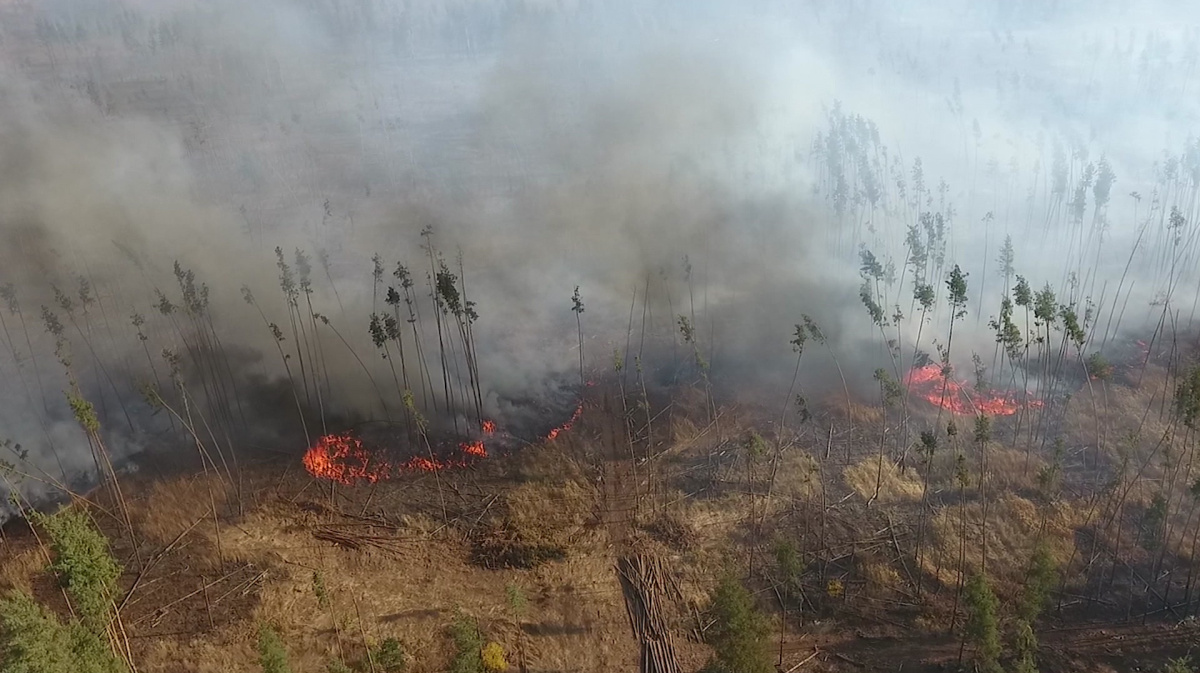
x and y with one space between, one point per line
468 645
1179 665
272 655
389 656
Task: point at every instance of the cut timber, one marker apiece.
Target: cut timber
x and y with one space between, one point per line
645 586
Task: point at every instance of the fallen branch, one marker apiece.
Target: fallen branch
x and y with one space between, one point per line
807 659
158 557
164 610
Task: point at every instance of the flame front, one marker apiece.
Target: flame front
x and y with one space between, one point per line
475 448
553 434
342 458
945 392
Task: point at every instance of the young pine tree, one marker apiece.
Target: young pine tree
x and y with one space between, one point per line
33 640
272 655
956 284
577 308
739 634
83 565
982 627
1039 580
468 645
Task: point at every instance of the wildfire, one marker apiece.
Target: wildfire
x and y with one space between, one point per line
954 396
553 434
344 459
475 448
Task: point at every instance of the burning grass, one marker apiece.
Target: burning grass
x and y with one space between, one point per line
348 459
344 458
941 390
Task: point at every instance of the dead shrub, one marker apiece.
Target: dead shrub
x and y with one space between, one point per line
497 548
671 530
535 523
880 576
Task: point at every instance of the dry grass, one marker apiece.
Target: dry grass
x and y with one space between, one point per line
576 617
859 414
173 505
684 429
799 475
201 655
554 514
1120 418
1013 527
17 571
894 486
1012 469
881 577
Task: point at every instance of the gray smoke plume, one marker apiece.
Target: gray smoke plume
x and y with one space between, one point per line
723 161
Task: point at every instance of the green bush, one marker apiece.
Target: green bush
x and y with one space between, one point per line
1180 665
389 657
468 645
33 640
272 655
739 634
83 565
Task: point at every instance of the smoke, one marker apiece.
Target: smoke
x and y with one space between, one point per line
668 159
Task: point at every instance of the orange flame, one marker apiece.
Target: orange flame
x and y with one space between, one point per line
928 383
553 434
475 448
344 459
